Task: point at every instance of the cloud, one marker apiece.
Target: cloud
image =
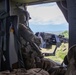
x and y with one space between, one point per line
46 14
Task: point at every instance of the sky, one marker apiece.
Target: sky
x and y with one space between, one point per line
46 18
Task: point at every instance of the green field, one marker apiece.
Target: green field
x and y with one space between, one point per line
60 53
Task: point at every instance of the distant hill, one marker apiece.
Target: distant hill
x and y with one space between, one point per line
56 32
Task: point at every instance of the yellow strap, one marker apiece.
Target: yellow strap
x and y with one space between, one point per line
11 30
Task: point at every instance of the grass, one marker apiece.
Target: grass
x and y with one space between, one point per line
60 53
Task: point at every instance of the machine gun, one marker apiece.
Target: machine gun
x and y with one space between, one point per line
49 39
